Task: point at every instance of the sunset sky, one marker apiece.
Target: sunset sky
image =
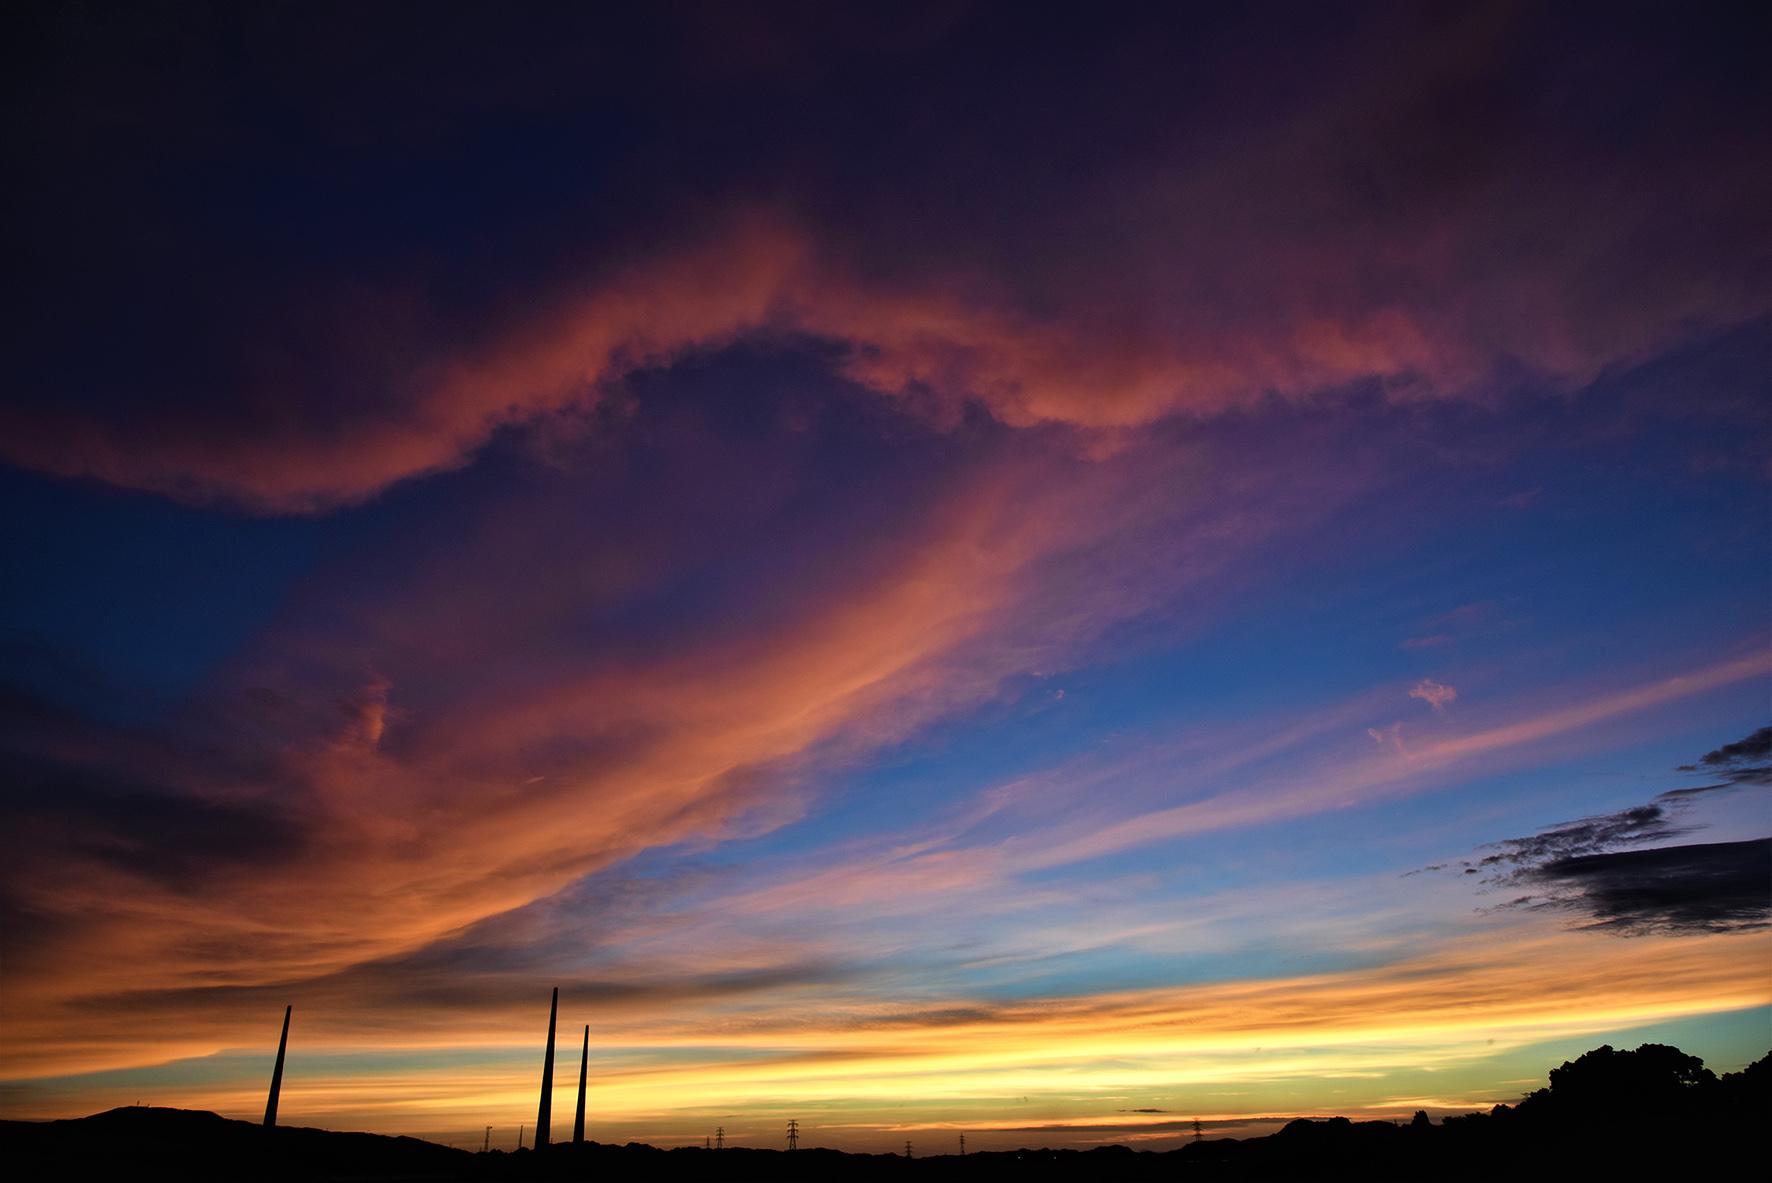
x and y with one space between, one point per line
1038 571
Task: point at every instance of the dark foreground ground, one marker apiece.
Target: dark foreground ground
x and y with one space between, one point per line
1652 1113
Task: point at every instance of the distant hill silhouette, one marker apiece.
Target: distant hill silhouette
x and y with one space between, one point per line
1607 1115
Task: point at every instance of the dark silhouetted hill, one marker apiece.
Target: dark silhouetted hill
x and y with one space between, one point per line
1613 1115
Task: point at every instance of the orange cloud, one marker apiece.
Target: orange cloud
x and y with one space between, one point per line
929 343
377 820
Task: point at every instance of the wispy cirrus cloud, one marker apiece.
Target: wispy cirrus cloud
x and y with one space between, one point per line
1396 768
404 753
988 856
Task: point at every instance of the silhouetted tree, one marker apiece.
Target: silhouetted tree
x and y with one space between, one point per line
1608 1086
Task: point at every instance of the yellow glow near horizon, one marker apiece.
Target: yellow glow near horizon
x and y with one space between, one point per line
1321 1042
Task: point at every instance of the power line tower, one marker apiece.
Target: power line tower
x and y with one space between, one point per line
487 1143
793 1134
1199 1132
962 1145
719 1137
907 1148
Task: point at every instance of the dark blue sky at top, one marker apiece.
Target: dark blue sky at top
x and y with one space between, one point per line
218 193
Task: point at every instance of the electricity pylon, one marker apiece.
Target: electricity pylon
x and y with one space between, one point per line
962 1145
719 1137
793 1134
487 1143
907 1149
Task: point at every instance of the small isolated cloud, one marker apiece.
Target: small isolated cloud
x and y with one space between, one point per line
1388 737
1434 693
1520 500
1458 624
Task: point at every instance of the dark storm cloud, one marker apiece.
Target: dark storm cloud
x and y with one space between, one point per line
1704 887
1700 887
1745 762
1757 746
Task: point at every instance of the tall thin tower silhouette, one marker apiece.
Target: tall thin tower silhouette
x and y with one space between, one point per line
544 1117
584 1064
277 1072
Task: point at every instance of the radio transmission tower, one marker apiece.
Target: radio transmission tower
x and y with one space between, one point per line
793 1134
719 1137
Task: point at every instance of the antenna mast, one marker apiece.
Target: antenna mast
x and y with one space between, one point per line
277 1072
545 1118
584 1064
